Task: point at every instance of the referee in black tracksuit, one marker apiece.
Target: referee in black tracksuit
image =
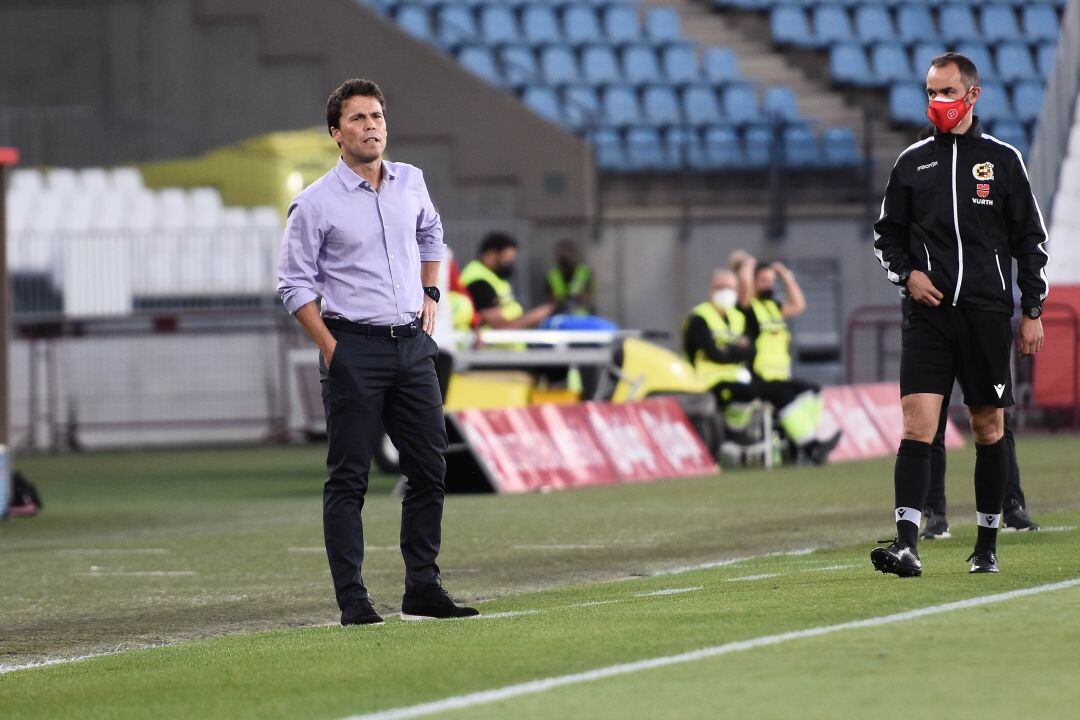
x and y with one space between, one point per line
957 211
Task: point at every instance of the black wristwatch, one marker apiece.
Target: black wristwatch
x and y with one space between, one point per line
432 292
1034 312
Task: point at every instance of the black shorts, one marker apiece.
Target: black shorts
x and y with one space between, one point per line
946 342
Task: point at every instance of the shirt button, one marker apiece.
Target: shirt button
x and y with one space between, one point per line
391 257
398 287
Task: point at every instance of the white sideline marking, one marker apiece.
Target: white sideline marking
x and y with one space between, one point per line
585 546
762 576
848 566
506 614
593 603
533 687
112 551
731 561
1058 528
669 591
136 573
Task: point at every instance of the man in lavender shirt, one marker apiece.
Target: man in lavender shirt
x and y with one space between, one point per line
366 239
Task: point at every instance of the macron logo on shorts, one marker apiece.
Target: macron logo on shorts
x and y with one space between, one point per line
999 389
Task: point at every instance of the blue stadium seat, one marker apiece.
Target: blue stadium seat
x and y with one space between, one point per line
581 107
831 24
890 62
639 65
1045 57
1014 62
994 103
839 148
789 26
914 23
1027 100
979 54
800 147
757 146
1040 23
544 102
414 20
621 24
661 106
480 61
921 55
558 65
644 149
610 154
1013 133
662 25
498 26
907 103
620 106
779 101
740 104
581 26
682 147
999 23
700 106
957 22
720 65
680 64
539 25
848 65
457 26
518 65
600 66
721 149
872 23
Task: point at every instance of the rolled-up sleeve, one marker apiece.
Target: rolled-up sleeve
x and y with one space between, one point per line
429 231
298 265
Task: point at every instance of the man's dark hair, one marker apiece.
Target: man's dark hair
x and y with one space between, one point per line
497 241
968 72
348 89
762 267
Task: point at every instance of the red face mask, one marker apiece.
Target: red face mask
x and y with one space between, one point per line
947 114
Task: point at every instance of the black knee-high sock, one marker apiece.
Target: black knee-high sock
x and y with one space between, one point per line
991 474
911 480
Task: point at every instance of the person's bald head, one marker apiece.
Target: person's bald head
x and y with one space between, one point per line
723 279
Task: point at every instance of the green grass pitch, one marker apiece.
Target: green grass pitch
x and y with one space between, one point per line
205 570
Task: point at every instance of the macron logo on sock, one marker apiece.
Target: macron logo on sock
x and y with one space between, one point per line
988 520
909 514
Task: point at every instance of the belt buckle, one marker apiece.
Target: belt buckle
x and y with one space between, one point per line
392 335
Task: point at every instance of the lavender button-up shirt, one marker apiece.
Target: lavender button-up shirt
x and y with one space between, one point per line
360 250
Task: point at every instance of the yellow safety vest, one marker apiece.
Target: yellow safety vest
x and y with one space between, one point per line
725 329
476 270
772 359
578 283
461 310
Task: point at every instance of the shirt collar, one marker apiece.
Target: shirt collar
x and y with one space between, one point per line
352 181
973 133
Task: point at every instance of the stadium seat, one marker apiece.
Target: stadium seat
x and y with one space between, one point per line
539 25
662 25
26 181
757 146
1045 58
518 65
644 149
907 103
740 104
720 65
1014 62
581 107
600 66
1040 23
608 147
890 63
700 106
62 181
831 24
581 26
778 101
543 101
1013 133
1027 100
661 106
621 24
848 65
681 147
414 20
680 64
957 22
999 23
721 149
480 61
921 55
800 147
789 26
94 181
994 103
498 26
127 179
457 26
915 24
639 65
620 106
872 24
558 65
839 148
979 53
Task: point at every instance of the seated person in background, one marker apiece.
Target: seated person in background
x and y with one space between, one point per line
797 402
715 342
570 282
488 281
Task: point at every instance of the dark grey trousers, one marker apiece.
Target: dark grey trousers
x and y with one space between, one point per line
374 383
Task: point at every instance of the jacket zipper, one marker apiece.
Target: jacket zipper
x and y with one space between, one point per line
928 266
956 227
1000 274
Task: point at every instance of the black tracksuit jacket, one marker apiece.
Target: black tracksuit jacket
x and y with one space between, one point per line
960 209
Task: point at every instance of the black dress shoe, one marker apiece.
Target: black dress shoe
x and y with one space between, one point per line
432 603
360 612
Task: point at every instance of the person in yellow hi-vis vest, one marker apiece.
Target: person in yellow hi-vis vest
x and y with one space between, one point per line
715 342
570 282
798 402
488 280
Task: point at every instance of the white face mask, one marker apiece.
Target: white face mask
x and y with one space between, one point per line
725 298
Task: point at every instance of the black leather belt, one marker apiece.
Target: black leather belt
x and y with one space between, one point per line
385 331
